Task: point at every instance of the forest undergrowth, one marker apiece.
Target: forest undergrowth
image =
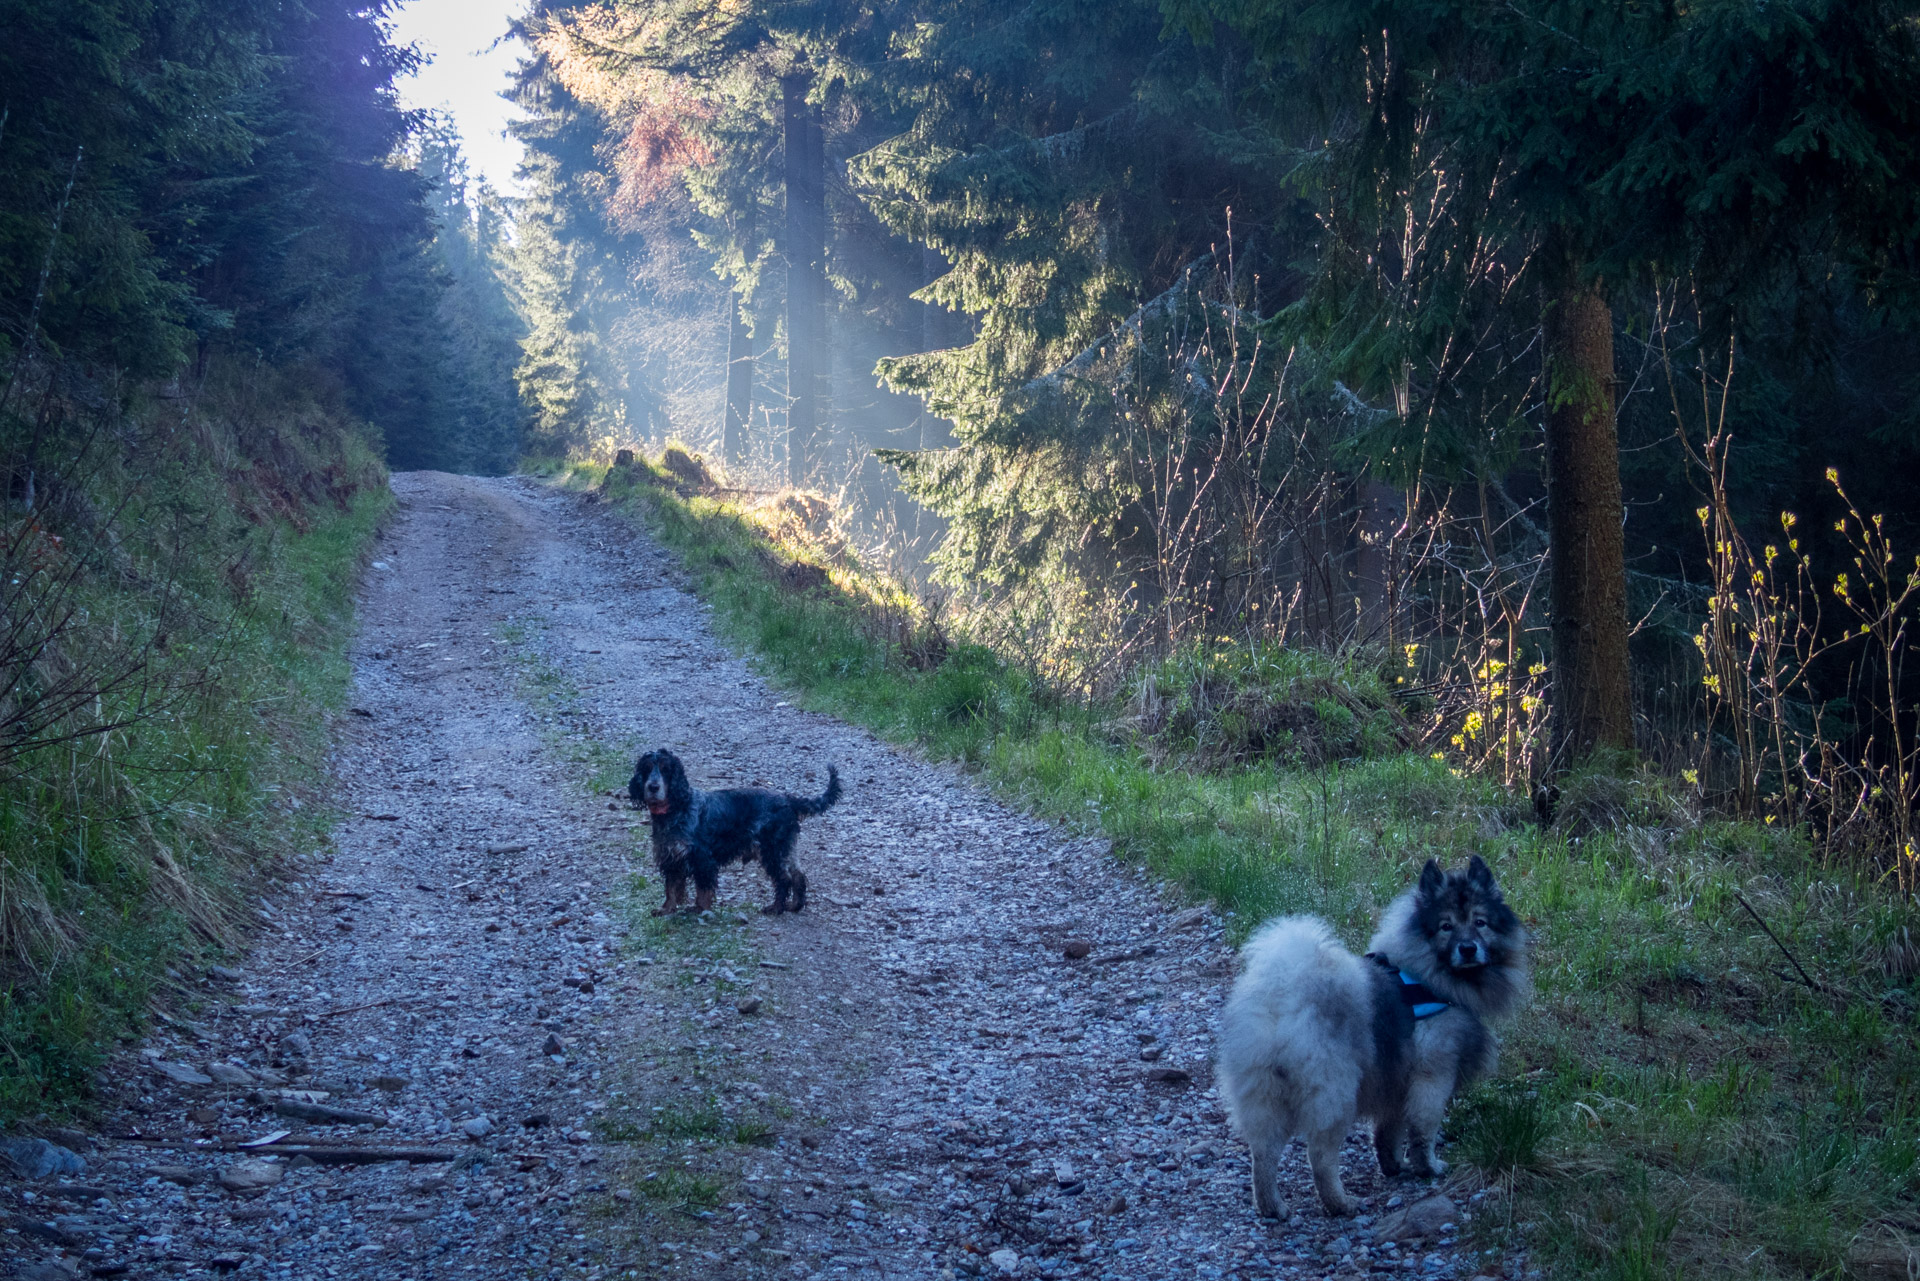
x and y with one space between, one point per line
1713 1079
179 601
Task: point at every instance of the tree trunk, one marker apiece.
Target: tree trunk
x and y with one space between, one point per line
806 272
1592 692
1381 512
739 410
934 329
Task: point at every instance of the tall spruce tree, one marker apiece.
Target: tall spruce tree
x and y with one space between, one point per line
1064 164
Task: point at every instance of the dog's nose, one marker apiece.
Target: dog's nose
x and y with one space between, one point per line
1467 954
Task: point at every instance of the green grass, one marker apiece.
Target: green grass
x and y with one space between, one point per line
130 854
557 703
1671 1106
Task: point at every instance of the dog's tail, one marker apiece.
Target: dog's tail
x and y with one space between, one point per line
820 804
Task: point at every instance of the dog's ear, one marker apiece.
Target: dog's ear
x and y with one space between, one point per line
679 789
1479 875
1432 879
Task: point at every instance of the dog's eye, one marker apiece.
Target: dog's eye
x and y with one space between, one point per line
1446 927
1479 922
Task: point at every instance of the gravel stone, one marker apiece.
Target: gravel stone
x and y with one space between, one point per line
1424 1218
39 1159
250 1176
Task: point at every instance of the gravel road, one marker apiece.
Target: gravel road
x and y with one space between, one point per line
475 1054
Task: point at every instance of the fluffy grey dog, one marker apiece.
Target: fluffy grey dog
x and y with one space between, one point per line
1315 1037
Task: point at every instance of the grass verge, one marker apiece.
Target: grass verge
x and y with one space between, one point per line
1677 1103
131 853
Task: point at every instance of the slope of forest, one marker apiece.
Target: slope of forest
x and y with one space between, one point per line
233 274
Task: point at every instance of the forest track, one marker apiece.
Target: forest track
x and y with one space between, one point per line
925 1083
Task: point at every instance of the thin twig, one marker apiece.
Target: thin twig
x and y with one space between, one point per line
1794 961
370 1005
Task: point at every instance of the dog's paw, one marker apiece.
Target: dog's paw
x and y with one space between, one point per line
1428 1167
772 909
663 911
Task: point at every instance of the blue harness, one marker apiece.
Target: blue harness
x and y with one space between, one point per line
1413 993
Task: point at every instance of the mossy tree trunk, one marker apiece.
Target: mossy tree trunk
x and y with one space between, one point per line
1592 690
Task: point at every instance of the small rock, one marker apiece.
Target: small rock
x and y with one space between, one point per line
225 974
180 1073
1188 919
72 1140
1421 1219
1151 1053
1077 949
748 1005
1169 1075
1007 1261
228 1262
39 1159
553 1045
185 1175
229 1074
390 1084
586 987
427 1184
1063 1173
508 847
251 1176
493 927
478 1127
1117 1206
296 1045
537 1119
204 1116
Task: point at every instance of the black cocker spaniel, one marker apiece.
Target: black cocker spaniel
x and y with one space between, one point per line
696 833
